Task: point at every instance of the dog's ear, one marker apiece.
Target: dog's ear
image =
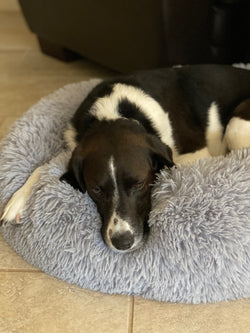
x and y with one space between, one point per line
160 153
74 175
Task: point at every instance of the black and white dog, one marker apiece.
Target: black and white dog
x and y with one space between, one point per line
128 129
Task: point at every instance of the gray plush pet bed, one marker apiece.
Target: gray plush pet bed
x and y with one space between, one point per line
199 245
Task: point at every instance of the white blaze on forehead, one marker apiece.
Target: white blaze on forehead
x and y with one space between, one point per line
116 223
112 171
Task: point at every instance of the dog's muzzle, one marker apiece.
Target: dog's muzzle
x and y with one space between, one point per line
120 236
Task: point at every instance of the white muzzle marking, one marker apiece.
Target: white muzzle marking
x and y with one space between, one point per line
117 225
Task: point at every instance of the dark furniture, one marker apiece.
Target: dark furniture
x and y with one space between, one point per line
127 35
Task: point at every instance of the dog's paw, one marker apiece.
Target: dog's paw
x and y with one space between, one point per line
14 208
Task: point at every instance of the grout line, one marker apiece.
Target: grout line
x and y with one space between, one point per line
10 270
131 315
9 11
19 50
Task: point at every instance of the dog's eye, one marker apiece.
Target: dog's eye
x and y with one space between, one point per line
96 190
139 186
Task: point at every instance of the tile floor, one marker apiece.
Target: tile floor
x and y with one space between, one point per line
31 301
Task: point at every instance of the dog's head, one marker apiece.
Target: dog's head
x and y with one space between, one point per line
116 163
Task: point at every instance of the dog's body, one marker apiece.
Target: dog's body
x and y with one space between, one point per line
128 129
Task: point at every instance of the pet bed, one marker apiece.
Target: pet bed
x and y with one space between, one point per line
198 249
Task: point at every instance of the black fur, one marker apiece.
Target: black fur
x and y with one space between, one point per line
185 93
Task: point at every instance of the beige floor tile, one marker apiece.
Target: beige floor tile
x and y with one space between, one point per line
34 63
10 261
37 303
159 317
14 33
27 76
9 5
17 98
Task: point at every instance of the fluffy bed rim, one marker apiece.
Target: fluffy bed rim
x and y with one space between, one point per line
199 245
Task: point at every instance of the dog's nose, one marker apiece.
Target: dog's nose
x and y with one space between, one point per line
122 241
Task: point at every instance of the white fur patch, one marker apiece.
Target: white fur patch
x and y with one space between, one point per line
70 137
14 208
214 132
112 171
192 157
238 133
116 223
106 108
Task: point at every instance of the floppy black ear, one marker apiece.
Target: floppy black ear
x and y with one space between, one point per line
74 175
161 154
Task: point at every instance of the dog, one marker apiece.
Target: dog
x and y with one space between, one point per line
129 128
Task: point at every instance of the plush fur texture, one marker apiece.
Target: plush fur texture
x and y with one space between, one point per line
199 244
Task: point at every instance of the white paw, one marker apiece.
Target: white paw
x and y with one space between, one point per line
14 208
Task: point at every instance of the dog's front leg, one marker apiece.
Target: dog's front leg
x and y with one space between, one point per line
14 208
